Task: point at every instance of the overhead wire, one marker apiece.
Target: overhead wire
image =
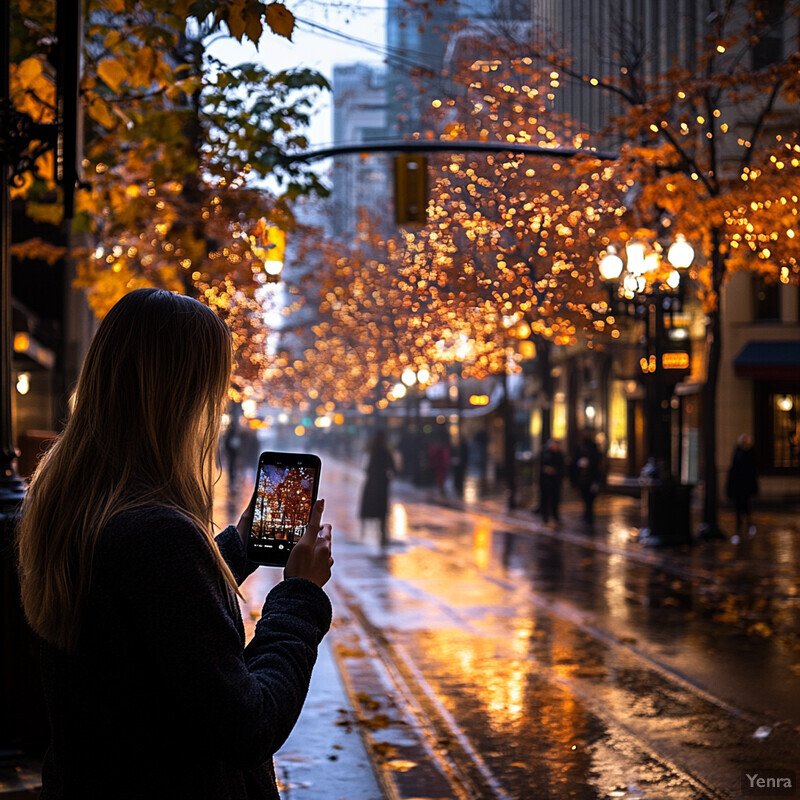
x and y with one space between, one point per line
399 56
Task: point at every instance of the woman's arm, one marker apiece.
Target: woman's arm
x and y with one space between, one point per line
243 704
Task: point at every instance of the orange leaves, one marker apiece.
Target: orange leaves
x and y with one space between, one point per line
244 18
33 90
280 19
112 72
140 68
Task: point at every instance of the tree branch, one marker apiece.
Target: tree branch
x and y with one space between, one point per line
758 125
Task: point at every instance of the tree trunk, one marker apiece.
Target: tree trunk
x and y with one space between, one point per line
710 526
546 380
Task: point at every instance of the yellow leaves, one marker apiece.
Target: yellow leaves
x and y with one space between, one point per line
400 765
144 65
112 72
27 73
32 90
51 213
45 168
113 38
280 20
20 186
117 6
99 111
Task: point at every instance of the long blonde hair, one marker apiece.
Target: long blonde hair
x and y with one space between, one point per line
143 431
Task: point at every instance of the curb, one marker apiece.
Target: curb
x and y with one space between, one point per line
406 757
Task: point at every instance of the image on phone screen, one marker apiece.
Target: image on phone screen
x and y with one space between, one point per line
286 488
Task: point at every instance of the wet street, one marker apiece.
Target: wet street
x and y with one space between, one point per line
487 656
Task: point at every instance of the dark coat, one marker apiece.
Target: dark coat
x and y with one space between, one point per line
585 469
551 467
743 474
375 495
162 699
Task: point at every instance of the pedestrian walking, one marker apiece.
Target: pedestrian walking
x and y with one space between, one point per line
742 481
459 462
233 444
150 689
439 462
586 473
375 494
551 475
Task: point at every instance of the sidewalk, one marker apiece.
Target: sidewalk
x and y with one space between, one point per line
760 553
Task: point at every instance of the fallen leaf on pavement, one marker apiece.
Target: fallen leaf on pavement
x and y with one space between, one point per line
761 628
400 765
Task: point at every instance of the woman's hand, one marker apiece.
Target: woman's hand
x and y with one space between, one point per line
311 556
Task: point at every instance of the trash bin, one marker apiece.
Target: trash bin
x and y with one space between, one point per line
665 506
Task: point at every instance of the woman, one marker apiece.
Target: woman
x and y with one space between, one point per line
150 690
742 481
375 494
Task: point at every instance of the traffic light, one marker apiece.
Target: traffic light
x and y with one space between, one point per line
268 243
410 189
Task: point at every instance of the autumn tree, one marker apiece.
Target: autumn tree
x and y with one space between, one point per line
184 155
500 253
709 148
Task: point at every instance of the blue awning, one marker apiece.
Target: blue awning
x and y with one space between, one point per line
778 360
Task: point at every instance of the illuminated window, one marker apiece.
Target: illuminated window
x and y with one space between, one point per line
778 427
618 421
785 431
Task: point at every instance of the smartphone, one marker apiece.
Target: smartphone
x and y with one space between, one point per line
286 490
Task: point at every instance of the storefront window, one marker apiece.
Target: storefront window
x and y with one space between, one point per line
559 423
785 431
778 426
618 421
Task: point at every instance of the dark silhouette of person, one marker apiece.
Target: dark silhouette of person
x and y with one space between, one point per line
586 473
233 444
458 464
743 480
375 495
551 474
439 461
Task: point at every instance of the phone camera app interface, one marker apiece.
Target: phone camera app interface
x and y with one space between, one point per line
283 505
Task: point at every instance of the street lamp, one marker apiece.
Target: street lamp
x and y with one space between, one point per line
644 288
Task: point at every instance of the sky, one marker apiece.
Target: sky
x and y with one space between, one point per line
328 32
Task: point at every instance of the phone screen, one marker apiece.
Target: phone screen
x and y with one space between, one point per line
286 489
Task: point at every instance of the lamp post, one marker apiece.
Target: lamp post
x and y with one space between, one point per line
643 287
515 329
411 383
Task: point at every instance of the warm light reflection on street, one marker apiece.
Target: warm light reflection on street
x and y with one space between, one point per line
482 542
398 524
562 661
